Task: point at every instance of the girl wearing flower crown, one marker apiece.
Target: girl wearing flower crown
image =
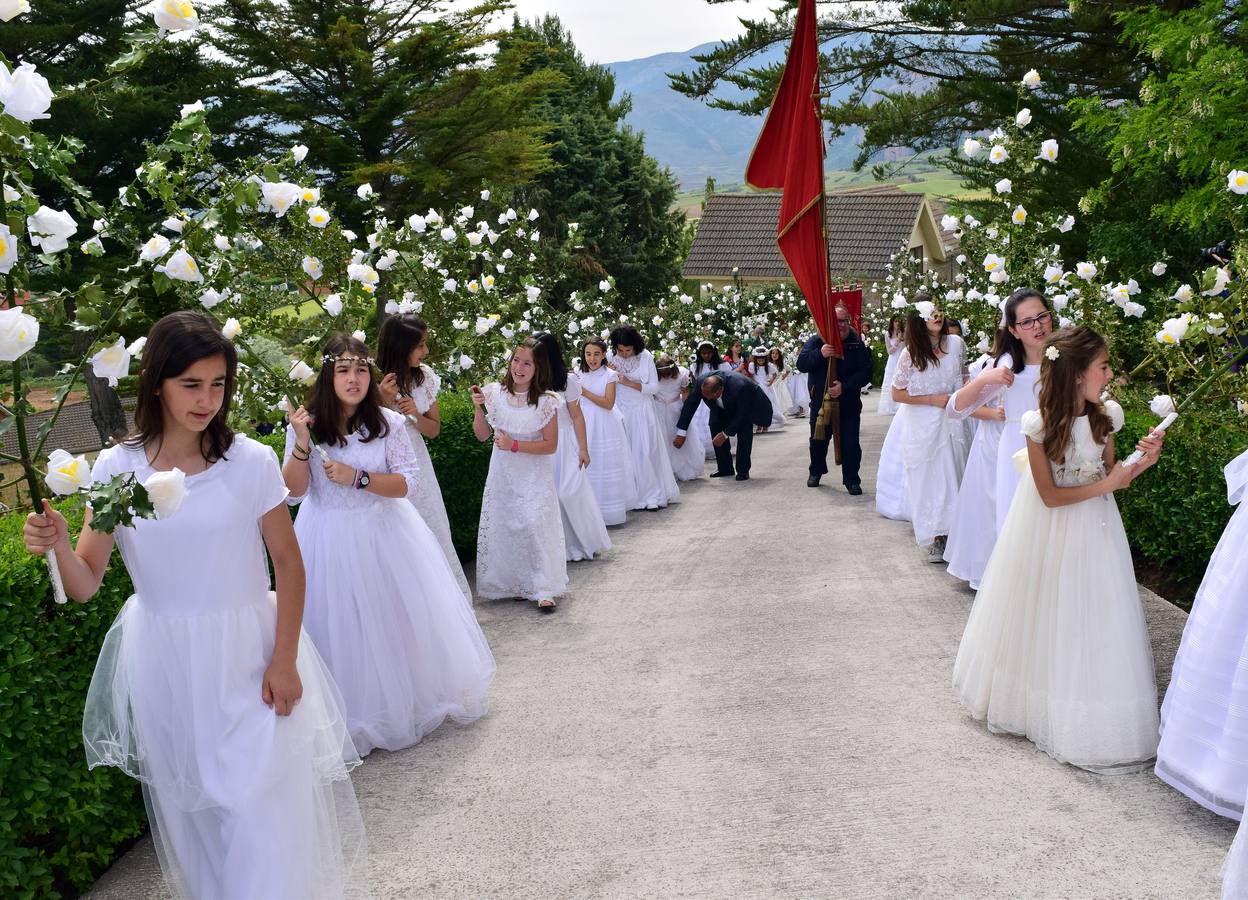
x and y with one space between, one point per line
520 544
384 607
611 475
206 689
1056 648
689 460
764 375
410 387
784 399
706 361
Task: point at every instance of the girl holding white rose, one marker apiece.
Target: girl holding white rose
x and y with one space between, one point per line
520 543
410 387
384 607
206 688
1056 648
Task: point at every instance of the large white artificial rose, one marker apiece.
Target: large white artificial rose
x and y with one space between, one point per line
112 363
1031 80
50 229
155 248
166 490
182 267
1237 181
67 474
1048 151
1023 117
8 249
1162 405
312 267
301 372
11 9
998 154
175 15
333 304
318 217
1086 270
231 329
24 94
279 196
19 332
971 147
1174 330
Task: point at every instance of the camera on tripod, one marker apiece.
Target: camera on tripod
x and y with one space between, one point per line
1217 255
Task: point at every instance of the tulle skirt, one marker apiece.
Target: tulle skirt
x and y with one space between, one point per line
611 475
973 529
784 400
428 502
1204 720
1235 869
800 393
230 786
933 453
888 406
777 411
890 478
1056 648
384 610
584 532
701 426
656 485
689 462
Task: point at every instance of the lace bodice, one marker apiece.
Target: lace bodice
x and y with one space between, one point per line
639 368
1084 460
392 454
945 377
515 415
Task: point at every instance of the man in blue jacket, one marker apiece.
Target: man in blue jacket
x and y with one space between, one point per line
737 406
852 374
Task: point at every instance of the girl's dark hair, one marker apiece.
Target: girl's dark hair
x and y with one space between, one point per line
554 359
778 363
951 324
697 363
918 342
399 336
593 342
627 336
1006 342
325 407
666 367
541 371
728 353
174 344
1060 399
896 323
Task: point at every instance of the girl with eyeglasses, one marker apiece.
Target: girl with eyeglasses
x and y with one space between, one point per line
998 397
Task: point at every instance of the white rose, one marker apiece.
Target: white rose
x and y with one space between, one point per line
348 235
318 217
1019 216
1214 324
174 225
474 239
113 362
1000 276
1162 405
1183 294
67 474
998 154
1159 269
949 223
993 262
450 285
231 329
1053 274
299 152
1174 330
459 324
333 304
1221 279
136 348
182 267
279 196
18 333
364 191
484 324
485 195
447 234
533 215
532 292
211 298
1048 151
1004 186
50 229
175 15
155 248
25 94
465 361
1086 270
1060 301
221 242
392 308
507 254
1133 309
1023 117
467 212
189 109
1032 79
11 9
604 285
360 336
166 490
387 260
1237 182
313 267
363 273
301 372
971 147
510 215
8 249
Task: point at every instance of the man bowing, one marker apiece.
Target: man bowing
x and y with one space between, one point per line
737 405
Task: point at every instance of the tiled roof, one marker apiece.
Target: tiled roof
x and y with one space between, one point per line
74 431
865 227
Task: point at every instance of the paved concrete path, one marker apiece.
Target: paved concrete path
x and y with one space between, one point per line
750 697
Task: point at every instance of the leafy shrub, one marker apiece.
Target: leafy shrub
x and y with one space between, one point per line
1175 513
60 825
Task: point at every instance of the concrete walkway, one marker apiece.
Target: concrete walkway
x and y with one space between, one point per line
750 697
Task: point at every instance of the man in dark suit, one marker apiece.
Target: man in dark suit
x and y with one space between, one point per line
852 374
737 405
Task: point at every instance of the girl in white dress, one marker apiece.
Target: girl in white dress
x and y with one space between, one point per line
611 475
384 608
638 381
1204 719
584 532
1056 648
764 375
799 389
520 546
689 461
933 452
784 400
706 362
411 388
206 689
894 343
998 396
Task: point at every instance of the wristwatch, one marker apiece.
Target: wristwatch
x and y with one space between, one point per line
363 482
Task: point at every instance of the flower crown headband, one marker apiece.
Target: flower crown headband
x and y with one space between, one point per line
331 359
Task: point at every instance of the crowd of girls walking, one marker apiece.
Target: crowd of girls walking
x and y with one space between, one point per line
1006 470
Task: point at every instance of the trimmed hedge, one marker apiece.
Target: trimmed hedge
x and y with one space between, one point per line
1176 512
60 825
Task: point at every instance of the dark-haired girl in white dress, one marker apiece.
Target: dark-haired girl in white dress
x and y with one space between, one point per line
638 381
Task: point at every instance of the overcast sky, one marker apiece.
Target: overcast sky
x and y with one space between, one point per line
613 30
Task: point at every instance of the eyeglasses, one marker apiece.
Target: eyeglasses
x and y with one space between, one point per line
1034 322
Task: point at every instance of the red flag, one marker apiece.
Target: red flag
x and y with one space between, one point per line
789 155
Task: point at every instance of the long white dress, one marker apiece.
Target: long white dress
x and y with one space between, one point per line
383 606
520 544
784 399
428 496
656 485
888 406
175 700
702 417
1235 869
584 532
762 375
1056 648
799 390
1020 398
1204 719
689 462
891 496
933 449
611 473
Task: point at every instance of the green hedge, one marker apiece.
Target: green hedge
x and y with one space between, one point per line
60 825
1175 513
